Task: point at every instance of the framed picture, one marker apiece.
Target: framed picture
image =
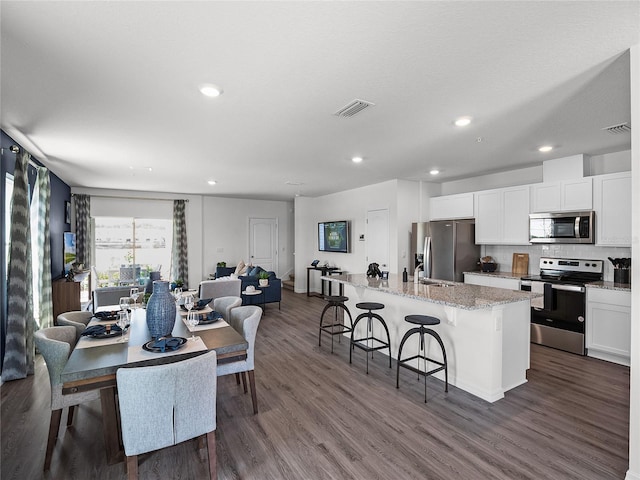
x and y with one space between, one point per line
67 212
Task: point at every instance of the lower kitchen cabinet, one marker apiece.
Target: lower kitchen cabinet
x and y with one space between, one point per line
608 322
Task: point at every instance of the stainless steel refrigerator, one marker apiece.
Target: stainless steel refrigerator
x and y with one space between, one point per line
449 246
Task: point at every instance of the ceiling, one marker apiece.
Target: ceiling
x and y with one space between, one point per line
101 92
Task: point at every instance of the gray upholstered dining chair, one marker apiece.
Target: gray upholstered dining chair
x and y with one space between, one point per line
77 319
223 305
244 320
55 344
179 402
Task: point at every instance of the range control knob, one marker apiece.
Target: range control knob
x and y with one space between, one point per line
581 318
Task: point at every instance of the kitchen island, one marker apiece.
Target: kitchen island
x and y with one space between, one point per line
485 330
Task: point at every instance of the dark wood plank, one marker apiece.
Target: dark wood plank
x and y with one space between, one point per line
321 418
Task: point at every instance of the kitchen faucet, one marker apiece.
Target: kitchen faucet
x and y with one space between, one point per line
416 273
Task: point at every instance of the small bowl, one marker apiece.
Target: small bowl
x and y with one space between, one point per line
488 267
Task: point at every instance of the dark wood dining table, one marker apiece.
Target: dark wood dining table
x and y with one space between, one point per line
95 367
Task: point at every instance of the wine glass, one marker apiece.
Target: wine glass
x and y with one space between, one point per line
124 305
123 321
193 320
188 303
135 293
177 293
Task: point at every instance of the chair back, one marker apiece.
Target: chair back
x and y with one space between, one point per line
220 288
109 296
77 320
164 405
223 305
245 320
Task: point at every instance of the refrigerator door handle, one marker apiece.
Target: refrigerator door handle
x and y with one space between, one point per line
427 257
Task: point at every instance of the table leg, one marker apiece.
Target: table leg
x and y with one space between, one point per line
111 426
308 270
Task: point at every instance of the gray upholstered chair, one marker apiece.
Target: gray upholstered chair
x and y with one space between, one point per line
223 305
55 344
220 288
108 296
164 405
244 320
78 320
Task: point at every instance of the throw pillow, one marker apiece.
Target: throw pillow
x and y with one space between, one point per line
241 268
255 271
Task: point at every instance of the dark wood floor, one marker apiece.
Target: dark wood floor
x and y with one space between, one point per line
321 418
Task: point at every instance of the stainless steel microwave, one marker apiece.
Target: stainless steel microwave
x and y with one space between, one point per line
562 227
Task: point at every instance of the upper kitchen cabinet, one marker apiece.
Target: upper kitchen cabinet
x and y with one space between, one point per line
563 196
449 207
502 216
612 204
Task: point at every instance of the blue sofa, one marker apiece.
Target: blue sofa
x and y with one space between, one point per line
272 294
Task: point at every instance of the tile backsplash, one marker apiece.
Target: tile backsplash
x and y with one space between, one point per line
503 254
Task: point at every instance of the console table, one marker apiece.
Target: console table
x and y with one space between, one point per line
324 271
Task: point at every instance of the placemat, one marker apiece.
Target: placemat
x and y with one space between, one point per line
86 342
218 324
137 354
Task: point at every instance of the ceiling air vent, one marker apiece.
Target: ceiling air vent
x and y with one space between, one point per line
353 108
617 129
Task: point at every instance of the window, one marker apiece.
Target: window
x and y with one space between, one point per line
127 249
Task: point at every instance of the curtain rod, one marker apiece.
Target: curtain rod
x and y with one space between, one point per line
16 149
133 198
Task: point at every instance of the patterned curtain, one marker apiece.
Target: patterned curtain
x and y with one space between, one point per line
179 264
82 204
19 349
41 244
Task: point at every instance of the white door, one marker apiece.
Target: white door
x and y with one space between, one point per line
377 238
263 243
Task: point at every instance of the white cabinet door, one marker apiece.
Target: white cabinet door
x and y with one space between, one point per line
564 196
449 207
612 204
515 218
489 217
608 335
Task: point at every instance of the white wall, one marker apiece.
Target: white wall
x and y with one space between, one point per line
217 228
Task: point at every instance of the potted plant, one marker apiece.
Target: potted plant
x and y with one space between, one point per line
263 278
221 264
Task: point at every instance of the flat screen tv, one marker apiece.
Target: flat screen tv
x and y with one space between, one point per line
333 236
69 251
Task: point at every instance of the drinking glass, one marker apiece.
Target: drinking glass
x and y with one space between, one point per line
124 305
135 293
123 321
177 293
193 320
188 302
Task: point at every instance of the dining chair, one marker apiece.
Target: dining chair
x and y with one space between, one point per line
244 320
179 403
78 320
223 305
55 345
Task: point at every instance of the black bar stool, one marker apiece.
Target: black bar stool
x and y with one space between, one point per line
336 328
370 343
422 320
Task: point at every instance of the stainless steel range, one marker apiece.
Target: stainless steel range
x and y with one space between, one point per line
558 318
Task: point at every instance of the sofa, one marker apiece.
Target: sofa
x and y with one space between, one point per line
272 294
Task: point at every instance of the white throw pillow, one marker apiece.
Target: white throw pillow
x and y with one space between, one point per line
241 268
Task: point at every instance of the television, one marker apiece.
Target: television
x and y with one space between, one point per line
69 251
333 236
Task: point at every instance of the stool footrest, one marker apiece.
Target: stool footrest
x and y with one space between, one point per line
422 372
356 342
331 328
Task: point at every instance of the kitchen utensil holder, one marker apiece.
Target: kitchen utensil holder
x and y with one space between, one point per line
621 275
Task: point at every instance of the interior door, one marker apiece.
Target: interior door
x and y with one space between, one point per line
377 239
263 243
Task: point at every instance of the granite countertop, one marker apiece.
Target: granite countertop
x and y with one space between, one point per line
459 295
624 287
517 276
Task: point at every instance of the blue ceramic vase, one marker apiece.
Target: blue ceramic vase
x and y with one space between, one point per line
161 310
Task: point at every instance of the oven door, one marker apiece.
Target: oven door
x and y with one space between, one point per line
557 319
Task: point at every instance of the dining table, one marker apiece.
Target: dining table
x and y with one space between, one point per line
93 362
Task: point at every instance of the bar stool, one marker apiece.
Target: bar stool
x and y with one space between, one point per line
336 328
370 343
422 320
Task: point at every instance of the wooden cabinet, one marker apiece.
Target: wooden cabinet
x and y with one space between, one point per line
608 335
564 196
612 204
449 207
502 216
65 297
492 281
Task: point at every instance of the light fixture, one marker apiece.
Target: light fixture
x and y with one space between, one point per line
434 171
462 121
210 90
356 159
211 182
545 148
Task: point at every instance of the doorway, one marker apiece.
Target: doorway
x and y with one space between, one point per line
263 243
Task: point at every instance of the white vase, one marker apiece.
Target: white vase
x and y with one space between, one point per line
263 282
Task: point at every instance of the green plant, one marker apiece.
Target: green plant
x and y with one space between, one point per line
221 264
263 275
179 283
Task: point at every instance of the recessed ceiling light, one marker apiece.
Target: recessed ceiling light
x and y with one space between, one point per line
462 121
356 159
435 171
211 182
545 148
210 90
